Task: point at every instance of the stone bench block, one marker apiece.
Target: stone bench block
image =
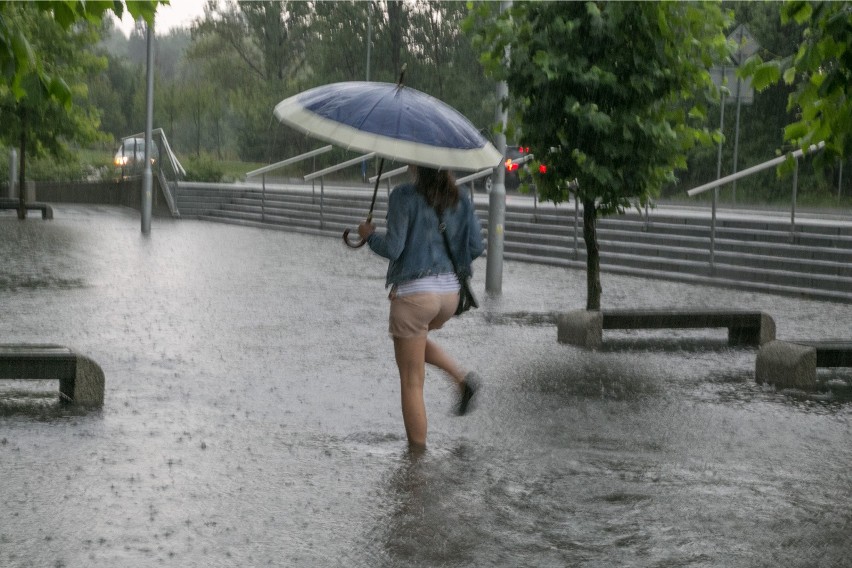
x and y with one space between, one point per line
582 328
786 365
87 386
81 380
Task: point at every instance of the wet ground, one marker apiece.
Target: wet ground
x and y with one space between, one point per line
251 417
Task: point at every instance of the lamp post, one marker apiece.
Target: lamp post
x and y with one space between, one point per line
746 47
497 197
147 176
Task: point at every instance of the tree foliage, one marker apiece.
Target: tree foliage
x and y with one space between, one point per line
611 94
43 56
45 121
761 124
19 58
443 62
820 71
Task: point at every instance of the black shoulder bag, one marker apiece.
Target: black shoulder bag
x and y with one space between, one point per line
466 298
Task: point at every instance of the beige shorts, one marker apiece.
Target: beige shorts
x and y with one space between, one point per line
417 314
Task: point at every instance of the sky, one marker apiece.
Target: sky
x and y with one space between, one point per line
178 13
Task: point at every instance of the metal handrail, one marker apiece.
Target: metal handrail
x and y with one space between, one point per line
390 174
166 155
475 176
754 169
387 177
478 175
745 173
266 169
337 167
321 175
289 161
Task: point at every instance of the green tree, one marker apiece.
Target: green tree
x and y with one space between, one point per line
339 35
820 72
42 50
443 63
427 37
397 23
611 94
39 122
761 122
267 36
269 41
761 127
167 105
19 58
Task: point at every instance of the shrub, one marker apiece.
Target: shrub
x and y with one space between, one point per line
203 168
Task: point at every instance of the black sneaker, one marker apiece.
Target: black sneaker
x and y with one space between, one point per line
469 387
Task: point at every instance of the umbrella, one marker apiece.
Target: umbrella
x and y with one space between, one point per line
392 120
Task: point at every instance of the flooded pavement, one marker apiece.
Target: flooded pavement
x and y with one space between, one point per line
252 417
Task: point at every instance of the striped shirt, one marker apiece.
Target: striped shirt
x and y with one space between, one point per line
447 283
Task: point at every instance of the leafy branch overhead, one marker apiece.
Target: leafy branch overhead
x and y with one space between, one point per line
18 59
821 73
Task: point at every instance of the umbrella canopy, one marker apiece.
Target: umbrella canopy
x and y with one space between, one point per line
395 121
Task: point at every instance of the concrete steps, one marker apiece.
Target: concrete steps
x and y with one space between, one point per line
758 253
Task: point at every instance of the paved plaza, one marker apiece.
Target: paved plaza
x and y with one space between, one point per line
251 416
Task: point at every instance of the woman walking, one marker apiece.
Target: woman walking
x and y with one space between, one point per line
424 286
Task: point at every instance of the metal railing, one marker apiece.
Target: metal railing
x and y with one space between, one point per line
388 175
278 165
169 169
321 176
745 173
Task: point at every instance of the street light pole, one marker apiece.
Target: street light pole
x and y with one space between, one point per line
497 198
369 40
716 189
736 138
147 176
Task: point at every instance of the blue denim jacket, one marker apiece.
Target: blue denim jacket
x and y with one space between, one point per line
413 243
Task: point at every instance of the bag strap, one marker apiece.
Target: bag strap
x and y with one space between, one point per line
442 228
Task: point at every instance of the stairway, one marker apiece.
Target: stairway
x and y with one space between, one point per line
751 252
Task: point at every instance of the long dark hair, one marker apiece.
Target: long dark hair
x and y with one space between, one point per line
438 187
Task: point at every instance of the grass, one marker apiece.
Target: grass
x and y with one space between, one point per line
234 169
95 157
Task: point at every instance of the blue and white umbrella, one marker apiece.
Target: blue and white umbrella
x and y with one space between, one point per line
392 120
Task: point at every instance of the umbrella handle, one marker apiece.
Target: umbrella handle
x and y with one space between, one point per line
351 244
370 214
355 245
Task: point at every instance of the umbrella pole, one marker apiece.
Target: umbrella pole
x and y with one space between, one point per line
372 206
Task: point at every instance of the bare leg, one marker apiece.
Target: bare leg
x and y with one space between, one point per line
410 359
435 355
467 384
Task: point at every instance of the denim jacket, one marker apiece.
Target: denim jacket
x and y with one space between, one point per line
413 242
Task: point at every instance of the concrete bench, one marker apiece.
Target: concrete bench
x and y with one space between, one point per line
793 364
46 210
81 380
585 328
